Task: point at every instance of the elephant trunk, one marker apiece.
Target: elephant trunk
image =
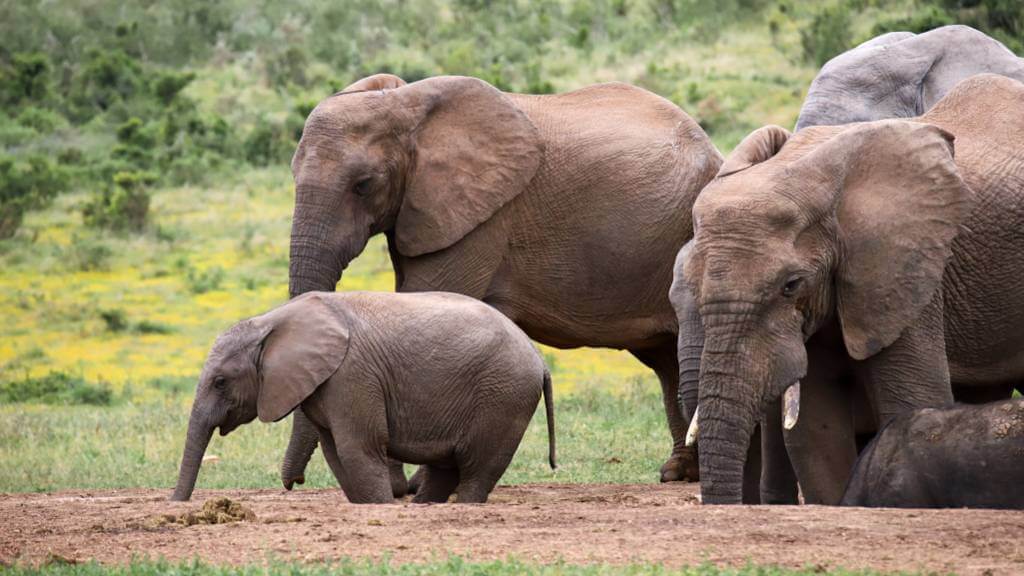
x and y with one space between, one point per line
200 430
729 398
691 348
300 448
312 266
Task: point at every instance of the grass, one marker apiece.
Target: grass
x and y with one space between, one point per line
454 566
602 437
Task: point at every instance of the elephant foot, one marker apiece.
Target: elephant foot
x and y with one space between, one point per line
681 466
291 482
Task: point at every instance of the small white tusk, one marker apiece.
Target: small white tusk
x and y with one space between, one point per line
691 432
791 406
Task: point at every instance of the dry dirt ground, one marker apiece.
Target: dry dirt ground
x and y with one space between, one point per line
540 522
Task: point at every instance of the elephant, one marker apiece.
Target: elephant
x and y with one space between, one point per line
433 378
902 75
562 211
856 272
966 456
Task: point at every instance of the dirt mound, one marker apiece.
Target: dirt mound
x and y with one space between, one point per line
214 511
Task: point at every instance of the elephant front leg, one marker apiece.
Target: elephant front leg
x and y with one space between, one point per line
365 477
778 481
682 465
822 445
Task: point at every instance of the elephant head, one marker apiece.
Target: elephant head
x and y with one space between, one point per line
425 162
902 75
849 223
262 367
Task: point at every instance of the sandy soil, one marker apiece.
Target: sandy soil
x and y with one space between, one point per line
541 522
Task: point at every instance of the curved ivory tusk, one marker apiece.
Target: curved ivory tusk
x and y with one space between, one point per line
791 406
691 432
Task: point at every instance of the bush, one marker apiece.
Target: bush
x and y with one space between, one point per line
26 184
55 388
115 319
87 254
25 79
124 206
827 35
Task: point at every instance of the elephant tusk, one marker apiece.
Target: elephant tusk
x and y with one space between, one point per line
791 406
691 432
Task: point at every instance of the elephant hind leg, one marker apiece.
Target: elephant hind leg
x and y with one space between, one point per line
399 485
682 464
436 485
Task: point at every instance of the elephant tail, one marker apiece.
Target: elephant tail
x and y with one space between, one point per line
549 409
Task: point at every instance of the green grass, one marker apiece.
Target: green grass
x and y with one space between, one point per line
602 437
454 566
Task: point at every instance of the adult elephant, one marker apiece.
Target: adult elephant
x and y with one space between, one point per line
564 211
869 259
902 75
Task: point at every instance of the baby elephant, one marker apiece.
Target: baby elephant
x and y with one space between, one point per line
967 455
428 378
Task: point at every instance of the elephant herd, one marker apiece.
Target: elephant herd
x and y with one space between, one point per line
813 304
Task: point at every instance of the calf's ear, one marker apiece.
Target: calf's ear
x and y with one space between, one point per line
306 342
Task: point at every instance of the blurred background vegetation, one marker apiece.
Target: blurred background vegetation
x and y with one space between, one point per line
145 195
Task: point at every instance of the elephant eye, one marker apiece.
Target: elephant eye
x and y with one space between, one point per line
219 382
362 187
792 286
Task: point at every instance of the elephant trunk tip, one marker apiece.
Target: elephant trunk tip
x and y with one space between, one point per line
291 482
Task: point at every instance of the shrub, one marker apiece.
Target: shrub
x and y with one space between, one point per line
124 206
827 35
55 388
26 184
115 319
25 79
86 254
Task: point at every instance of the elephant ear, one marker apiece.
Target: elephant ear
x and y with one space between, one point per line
899 201
758 146
475 150
375 82
307 340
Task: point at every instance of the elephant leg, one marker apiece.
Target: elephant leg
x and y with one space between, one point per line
682 464
330 454
365 476
913 371
300 448
416 480
399 486
752 470
437 484
778 481
822 445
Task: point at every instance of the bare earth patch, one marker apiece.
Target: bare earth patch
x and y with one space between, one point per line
539 522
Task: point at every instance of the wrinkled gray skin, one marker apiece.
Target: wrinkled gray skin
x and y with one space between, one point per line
564 211
854 259
902 75
436 379
966 456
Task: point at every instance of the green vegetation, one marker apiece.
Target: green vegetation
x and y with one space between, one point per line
602 437
454 566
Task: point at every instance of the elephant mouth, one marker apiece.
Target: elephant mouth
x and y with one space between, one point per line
790 413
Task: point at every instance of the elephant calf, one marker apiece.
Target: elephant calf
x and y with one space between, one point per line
945 458
429 378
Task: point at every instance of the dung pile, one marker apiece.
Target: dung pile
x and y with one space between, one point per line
214 511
